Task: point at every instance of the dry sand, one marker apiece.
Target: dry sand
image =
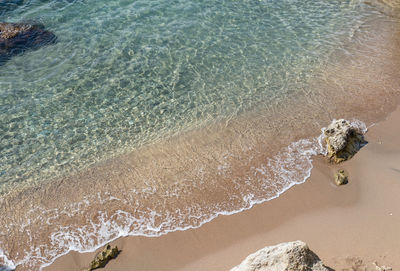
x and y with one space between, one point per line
349 227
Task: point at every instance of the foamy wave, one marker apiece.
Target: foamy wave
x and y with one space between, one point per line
5 263
293 166
289 167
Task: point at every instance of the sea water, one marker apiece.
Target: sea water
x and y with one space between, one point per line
153 116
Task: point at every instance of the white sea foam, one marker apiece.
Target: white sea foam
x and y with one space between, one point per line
5 263
124 224
289 167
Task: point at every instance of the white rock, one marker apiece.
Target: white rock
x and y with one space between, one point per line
337 134
292 256
343 140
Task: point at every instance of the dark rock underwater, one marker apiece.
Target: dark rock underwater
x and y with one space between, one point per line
16 38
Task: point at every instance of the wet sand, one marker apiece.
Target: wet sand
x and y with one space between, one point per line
350 221
349 227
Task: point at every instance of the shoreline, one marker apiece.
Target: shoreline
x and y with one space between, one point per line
157 187
351 225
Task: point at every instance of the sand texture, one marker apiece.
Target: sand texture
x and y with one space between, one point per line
350 227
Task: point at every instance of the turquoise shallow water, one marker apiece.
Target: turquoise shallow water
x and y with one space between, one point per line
148 117
125 73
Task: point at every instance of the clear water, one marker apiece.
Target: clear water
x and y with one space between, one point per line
125 73
151 116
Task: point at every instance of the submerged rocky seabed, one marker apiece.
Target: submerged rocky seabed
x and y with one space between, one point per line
144 118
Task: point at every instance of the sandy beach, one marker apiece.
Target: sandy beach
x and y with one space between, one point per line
349 227
189 134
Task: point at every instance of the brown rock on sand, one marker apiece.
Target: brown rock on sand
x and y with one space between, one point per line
104 257
341 177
